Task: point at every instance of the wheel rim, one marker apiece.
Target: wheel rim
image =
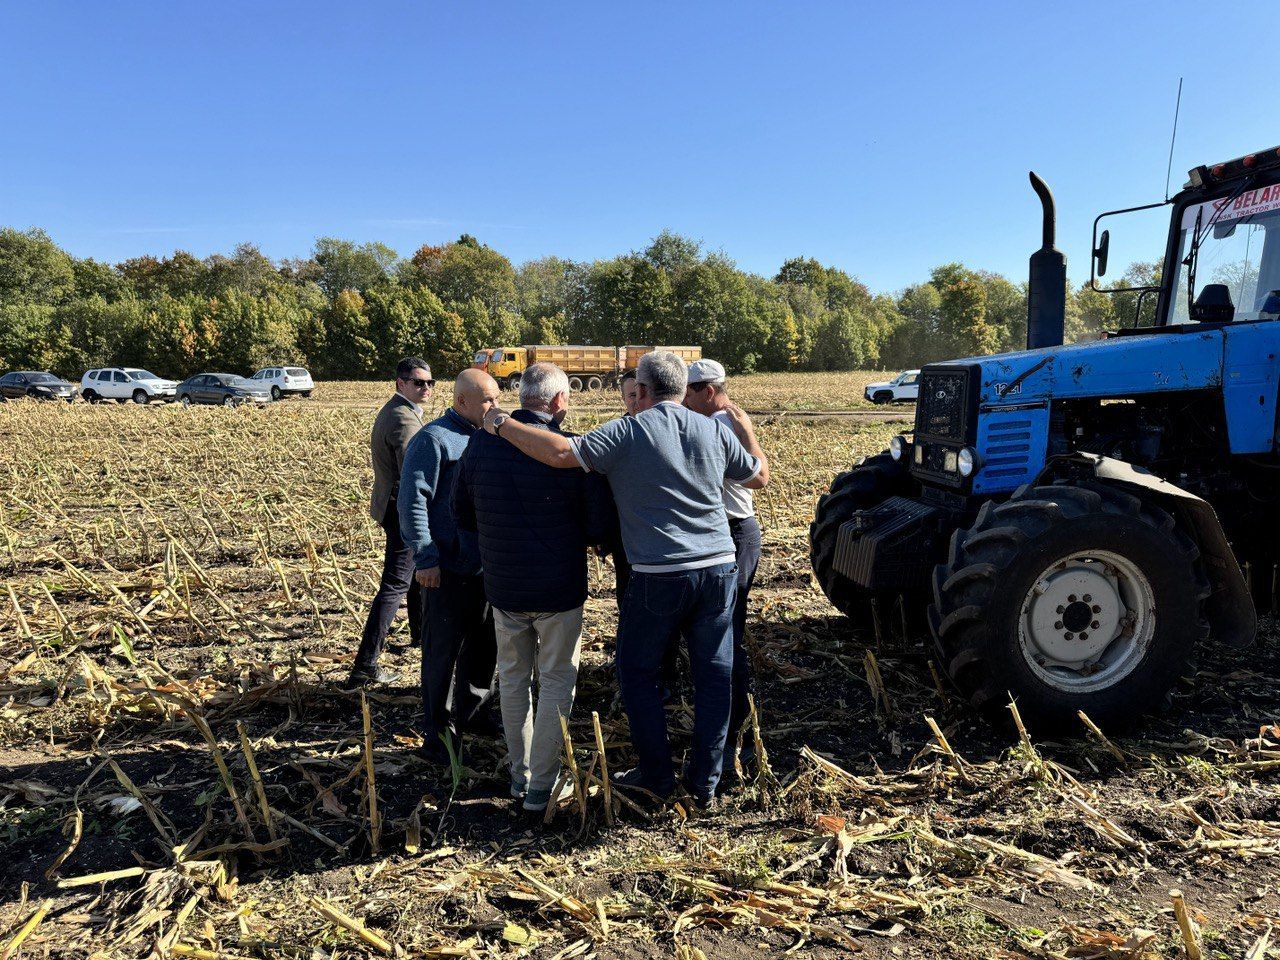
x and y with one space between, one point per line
228 402
275 393
1087 621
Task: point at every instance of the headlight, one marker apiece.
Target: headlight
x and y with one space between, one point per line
967 461
898 446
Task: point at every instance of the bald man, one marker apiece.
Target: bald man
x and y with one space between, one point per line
458 648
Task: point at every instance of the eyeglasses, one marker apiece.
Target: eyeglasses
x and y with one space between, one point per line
419 383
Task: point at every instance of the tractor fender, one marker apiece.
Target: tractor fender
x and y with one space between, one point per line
1229 609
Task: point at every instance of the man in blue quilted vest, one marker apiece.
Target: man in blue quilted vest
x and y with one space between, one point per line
534 524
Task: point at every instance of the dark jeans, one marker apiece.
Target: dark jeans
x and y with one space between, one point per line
746 540
657 608
397 581
459 655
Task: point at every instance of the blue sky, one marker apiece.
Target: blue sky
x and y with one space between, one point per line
883 138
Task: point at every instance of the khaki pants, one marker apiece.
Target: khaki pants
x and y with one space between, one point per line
552 642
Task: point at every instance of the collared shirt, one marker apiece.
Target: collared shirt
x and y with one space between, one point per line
667 466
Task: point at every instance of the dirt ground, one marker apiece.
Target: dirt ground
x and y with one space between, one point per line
184 590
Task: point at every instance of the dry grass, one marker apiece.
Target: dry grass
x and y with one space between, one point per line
181 775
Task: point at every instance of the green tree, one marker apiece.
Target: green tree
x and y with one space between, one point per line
349 266
468 270
349 350
33 269
963 315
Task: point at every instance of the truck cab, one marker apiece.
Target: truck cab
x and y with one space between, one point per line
504 364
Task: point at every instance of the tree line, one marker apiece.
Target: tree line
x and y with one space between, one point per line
349 310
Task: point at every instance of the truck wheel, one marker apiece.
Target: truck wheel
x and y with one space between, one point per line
595 383
866 485
575 384
1069 597
513 382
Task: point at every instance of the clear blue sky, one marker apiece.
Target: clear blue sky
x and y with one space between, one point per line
883 138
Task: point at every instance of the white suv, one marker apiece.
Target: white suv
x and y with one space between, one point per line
125 383
284 381
905 386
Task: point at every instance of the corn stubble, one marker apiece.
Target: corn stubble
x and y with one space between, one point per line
184 590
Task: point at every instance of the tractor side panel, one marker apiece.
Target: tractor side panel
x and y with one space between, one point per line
1250 374
1013 443
1121 367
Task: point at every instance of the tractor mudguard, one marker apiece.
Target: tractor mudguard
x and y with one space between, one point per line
1229 609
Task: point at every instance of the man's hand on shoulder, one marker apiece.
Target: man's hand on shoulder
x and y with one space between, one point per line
495 415
428 579
742 425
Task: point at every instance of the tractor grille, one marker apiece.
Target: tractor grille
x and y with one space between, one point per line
942 411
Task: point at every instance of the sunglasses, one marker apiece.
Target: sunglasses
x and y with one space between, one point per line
419 383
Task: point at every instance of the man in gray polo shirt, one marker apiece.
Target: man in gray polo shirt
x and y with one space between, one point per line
667 466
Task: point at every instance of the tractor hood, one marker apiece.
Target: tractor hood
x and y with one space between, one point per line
1120 366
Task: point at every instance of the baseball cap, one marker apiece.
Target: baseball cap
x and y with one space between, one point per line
706 371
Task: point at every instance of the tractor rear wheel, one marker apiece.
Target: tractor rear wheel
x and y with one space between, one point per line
1069 597
866 485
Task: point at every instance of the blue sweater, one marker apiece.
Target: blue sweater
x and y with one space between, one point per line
534 522
425 501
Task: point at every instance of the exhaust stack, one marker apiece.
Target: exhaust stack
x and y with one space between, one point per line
1047 286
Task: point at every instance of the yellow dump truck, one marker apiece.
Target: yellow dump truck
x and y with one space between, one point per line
589 368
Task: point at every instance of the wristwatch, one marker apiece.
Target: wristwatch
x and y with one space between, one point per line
498 421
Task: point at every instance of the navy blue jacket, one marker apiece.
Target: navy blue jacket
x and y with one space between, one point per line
534 522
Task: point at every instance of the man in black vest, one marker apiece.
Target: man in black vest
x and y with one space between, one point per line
534 524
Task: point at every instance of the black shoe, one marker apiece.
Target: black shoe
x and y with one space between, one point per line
699 803
633 779
485 725
369 676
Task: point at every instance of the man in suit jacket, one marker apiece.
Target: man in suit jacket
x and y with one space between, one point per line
398 421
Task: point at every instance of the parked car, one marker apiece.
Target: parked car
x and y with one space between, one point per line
228 389
125 383
284 381
37 384
905 386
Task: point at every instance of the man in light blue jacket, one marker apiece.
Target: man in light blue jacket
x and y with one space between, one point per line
458 647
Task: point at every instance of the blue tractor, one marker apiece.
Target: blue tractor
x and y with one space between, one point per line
1077 520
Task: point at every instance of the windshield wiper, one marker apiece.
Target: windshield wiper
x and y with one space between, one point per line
1197 237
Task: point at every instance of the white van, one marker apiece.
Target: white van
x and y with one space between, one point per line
284 381
125 383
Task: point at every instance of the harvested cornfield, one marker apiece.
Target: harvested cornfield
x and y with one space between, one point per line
181 774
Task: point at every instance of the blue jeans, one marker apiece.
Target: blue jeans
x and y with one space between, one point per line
657 608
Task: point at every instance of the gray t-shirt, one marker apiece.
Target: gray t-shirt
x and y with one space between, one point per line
667 467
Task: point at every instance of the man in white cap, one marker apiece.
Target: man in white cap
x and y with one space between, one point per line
706 394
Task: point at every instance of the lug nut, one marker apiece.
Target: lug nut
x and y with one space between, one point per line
1088 598
1068 635
1084 636
1061 609
1096 608
1094 625
1071 598
1057 625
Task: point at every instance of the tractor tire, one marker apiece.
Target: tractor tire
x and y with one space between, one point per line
140 396
1022 589
869 483
575 384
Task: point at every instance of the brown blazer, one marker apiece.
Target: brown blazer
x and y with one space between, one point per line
395 426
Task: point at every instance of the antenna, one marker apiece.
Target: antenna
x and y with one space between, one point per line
1172 140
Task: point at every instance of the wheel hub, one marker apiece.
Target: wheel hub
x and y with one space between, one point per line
1087 620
